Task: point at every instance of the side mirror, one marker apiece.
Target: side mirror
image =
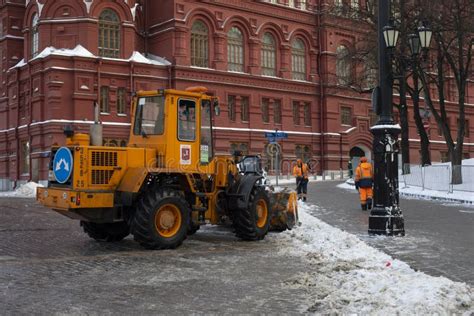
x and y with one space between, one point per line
217 109
68 131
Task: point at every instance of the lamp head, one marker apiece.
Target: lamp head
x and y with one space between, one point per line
425 34
390 35
414 43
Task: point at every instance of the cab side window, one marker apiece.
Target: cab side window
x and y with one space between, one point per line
150 116
186 120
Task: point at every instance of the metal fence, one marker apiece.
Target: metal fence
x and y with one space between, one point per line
467 184
438 177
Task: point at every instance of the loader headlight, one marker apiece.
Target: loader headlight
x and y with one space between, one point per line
51 176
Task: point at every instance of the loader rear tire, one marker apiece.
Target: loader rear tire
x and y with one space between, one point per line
253 223
109 232
161 219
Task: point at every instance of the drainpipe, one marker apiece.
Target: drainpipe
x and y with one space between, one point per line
96 129
132 69
99 79
17 131
321 88
340 152
145 13
30 139
170 82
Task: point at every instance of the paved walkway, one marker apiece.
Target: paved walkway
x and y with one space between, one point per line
439 236
49 266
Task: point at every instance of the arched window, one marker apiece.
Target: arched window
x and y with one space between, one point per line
343 65
298 59
34 35
303 4
268 55
109 34
235 50
199 44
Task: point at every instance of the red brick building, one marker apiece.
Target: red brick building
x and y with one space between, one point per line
274 65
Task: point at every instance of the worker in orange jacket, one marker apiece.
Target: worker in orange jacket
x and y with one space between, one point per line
301 172
364 178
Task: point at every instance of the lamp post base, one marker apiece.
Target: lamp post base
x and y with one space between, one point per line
386 221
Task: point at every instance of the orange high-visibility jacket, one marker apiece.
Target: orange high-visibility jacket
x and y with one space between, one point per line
364 171
301 171
364 175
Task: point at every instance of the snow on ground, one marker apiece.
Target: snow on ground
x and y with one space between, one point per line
418 192
345 275
466 197
27 190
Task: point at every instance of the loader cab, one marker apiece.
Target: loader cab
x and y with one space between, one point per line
177 124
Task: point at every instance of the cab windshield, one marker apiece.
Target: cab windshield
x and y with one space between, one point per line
149 119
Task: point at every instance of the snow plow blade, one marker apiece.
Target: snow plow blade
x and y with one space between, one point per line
284 210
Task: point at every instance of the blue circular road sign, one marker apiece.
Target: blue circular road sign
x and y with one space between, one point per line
62 165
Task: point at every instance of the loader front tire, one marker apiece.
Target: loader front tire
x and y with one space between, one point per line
193 228
253 222
109 232
161 219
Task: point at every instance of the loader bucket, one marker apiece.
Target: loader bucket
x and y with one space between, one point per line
283 209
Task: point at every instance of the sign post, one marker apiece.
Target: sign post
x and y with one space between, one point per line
273 138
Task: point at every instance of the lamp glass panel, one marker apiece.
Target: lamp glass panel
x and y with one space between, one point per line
414 42
390 36
395 37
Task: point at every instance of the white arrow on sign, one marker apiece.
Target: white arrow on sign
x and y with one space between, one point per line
62 162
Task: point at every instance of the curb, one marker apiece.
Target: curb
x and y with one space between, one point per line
435 198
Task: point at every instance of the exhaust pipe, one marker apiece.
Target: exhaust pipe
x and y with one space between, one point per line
96 130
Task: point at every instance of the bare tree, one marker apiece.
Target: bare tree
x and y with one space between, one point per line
453 31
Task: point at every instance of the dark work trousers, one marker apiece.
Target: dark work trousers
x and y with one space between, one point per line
301 185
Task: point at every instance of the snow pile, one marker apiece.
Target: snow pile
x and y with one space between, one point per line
345 275
27 190
349 185
456 196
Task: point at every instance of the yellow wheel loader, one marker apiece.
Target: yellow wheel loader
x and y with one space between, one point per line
167 182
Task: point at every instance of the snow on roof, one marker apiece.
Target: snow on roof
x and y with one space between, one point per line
159 60
21 63
386 126
151 60
78 51
134 10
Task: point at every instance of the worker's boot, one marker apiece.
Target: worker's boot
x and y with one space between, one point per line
304 198
369 204
364 207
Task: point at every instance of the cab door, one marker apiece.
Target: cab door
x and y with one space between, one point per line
187 111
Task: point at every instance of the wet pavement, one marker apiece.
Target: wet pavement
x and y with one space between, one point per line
48 266
439 236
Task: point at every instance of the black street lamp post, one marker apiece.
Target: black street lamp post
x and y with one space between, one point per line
386 217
